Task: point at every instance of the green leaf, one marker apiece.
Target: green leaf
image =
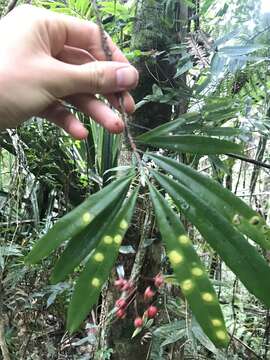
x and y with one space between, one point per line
200 336
224 201
82 244
99 265
136 332
239 50
195 144
206 5
190 271
222 131
186 67
174 337
239 255
169 126
78 219
164 330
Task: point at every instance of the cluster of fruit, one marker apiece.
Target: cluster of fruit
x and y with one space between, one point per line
126 287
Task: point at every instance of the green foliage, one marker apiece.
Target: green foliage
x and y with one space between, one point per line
219 216
195 144
236 211
190 272
222 77
88 239
78 219
234 249
99 265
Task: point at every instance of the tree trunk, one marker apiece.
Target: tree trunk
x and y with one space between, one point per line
154 33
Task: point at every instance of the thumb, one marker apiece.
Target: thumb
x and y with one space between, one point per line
98 77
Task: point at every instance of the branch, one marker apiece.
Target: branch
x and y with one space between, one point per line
108 54
248 160
20 222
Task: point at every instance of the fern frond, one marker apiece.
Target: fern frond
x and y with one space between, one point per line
197 50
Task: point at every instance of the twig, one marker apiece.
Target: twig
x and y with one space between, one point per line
265 193
248 160
234 312
104 42
259 33
128 134
21 222
108 54
238 178
140 255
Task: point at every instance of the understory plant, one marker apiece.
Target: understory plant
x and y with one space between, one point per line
215 99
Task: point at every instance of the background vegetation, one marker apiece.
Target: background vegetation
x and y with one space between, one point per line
203 61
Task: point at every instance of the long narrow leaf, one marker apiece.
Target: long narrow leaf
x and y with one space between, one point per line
82 244
236 211
243 259
77 220
195 144
169 126
99 265
190 272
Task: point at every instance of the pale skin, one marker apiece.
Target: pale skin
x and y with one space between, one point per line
47 59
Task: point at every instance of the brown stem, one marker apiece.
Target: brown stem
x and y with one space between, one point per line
108 54
140 255
129 136
248 160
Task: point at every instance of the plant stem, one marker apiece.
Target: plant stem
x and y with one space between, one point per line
248 160
108 54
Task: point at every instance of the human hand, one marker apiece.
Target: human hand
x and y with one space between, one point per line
47 57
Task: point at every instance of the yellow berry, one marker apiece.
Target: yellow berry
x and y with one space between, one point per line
236 219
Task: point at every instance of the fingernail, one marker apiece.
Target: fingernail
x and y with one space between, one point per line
126 77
